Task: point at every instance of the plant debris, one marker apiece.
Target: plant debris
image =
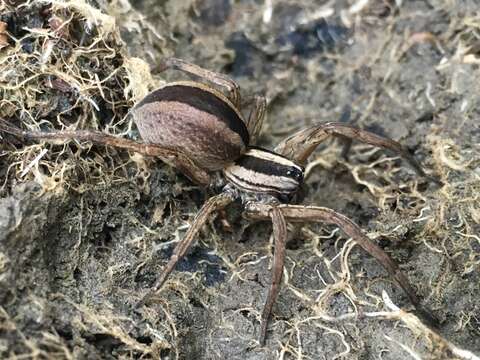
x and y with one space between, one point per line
85 230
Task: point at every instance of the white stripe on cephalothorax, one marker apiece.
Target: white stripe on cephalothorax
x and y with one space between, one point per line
257 182
266 155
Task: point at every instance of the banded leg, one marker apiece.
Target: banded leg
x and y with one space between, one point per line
216 78
172 157
256 117
212 205
280 236
298 213
300 145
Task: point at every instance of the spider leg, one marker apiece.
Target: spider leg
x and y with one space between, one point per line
172 157
256 117
299 213
212 205
216 78
280 236
300 145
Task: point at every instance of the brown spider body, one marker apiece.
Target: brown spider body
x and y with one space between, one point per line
195 119
197 129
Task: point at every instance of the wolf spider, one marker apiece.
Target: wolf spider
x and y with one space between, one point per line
200 131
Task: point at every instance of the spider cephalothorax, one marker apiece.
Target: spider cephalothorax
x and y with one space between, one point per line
199 130
265 172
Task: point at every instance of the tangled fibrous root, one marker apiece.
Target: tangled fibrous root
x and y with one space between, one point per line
65 67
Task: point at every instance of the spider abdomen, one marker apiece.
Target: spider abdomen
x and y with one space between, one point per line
263 171
195 119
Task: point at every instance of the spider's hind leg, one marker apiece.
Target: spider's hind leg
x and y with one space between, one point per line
214 77
300 145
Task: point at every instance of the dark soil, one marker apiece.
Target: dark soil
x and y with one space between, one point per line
85 230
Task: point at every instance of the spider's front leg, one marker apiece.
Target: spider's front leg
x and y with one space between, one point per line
299 213
280 236
212 205
172 157
300 145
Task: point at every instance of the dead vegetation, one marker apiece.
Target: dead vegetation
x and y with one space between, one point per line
84 230
65 67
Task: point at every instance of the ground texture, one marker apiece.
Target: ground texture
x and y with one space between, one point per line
85 230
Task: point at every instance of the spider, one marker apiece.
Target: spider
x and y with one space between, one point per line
200 131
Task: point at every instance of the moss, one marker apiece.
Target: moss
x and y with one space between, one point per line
85 230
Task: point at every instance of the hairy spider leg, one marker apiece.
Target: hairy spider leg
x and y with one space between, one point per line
214 77
280 236
214 204
172 157
300 145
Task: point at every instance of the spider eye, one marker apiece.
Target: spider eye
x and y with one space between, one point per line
295 174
